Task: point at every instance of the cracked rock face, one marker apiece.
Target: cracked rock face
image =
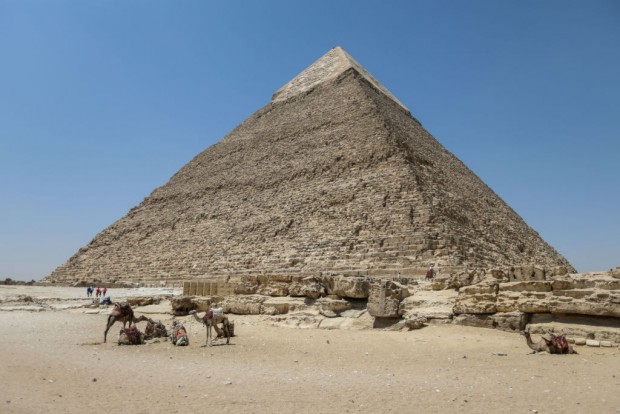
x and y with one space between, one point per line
333 177
594 294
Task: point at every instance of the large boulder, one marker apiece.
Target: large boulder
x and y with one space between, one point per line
181 305
308 287
280 306
429 304
385 297
476 299
243 305
348 286
273 288
332 306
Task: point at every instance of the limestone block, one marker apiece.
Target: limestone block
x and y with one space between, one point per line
499 274
246 287
558 271
385 297
460 280
526 286
282 305
615 273
350 287
606 344
477 299
243 305
511 321
475 320
309 287
581 327
265 279
440 283
429 304
181 305
328 313
136 301
415 322
336 306
527 273
588 306
592 342
531 302
273 289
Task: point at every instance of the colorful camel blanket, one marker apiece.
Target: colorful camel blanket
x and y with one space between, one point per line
133 335
559 343
155 329
179 336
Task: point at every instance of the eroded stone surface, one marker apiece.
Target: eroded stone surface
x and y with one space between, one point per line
339 180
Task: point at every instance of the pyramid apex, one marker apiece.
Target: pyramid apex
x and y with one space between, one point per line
328 67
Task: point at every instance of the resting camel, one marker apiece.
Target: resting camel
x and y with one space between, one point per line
131 336
122 312
211 318
557 344
154 329
179 335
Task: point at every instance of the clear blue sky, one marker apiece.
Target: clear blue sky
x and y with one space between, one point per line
103 101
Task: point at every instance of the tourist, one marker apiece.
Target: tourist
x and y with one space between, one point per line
98 292
88 292
430 273
105 290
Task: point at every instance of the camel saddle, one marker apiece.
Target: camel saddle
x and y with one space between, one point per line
216 313
124 308
558 342
133 334
155 328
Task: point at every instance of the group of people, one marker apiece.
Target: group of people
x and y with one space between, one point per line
100 292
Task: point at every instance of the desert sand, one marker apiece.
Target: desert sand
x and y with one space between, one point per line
54 361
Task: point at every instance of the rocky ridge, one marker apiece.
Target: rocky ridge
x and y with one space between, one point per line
585 306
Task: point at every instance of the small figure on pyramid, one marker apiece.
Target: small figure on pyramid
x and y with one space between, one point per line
430 273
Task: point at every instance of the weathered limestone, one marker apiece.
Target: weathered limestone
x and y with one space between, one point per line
243 305
333 177
510 321
385 297
329 66
477 299
580 327
429 304
332 307
308 287
590 294
348 287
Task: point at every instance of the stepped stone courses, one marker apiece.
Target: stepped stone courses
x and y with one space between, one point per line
333 177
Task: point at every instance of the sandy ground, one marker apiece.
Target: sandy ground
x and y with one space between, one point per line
54 362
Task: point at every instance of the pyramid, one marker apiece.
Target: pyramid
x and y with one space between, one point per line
333 176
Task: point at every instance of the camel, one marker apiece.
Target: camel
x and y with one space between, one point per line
553 344
122 312
179 335
211 318
155 329
131 336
